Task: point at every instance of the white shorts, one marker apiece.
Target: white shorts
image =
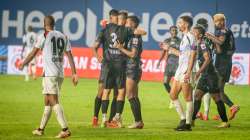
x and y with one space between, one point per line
180 77
52 85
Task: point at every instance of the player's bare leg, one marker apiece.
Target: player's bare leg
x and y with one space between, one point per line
105 104
174 93
167 86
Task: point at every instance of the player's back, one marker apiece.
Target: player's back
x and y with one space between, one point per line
115 33
54 44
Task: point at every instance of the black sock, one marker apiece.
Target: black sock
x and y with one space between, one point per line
139 109
98 103
65 129
197 106
226 100
132 102
113 109
167 87
119 106
222 110
105 104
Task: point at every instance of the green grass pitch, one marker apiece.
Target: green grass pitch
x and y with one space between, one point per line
21 107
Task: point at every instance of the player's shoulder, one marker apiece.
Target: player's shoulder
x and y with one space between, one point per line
190 37
57 34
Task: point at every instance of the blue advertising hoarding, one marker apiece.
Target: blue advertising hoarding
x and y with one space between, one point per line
79 19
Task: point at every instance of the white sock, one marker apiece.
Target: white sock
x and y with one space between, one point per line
104 117
179 109
60 115
26 70
189 112
46 116
206 100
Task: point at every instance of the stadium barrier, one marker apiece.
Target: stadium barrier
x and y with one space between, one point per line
88 67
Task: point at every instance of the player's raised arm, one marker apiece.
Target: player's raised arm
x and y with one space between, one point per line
217 40
140 31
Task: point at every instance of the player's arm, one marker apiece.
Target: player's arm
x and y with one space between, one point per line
96 46
206 62
191 63
217 40
30 56
174 51
140 31
73 68
71 62
130 54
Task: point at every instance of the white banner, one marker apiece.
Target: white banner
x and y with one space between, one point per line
14 57
240 69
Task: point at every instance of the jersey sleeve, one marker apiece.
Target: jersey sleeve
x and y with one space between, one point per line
40 41
67 44
193 45
204 47
135 42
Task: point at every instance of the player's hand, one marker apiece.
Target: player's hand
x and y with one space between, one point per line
119 45
187 77
74 79
164 46
103 23
209 35
20 65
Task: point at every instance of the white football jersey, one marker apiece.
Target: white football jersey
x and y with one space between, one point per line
53 47
29 39
186 46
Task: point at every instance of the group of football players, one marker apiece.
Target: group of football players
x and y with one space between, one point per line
199 63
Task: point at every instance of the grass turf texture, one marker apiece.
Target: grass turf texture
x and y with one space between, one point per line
21 108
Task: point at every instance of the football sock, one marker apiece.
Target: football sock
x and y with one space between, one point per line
189 112
60 115
197 105
222 111
179 109
206 101
46 115
98 103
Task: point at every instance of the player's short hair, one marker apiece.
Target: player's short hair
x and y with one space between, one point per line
49 21
202 22
188 20
124 14
113 12
172 27
219 16
134 19
200 29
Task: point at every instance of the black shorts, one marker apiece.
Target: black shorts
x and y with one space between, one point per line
114 75
134 73
224 69
101 76
209 83
170 70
